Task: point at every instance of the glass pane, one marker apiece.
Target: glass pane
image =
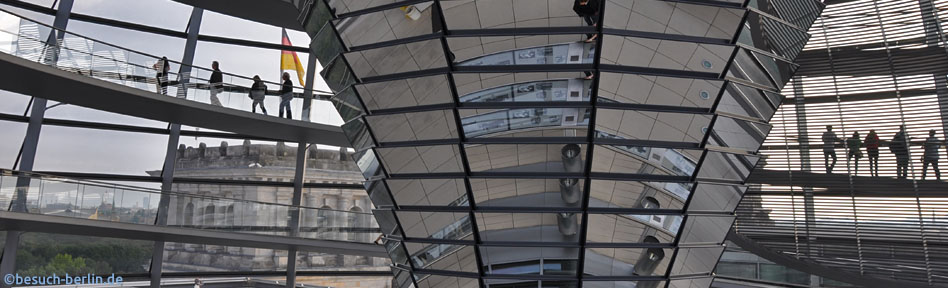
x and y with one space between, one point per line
525 122
773 36
632 228
437 225
523 87
623 284
627 261
437 281
716 197
502 260
690 261
411 92
446 257
422 159
531 227
13 133
726 166
746 101
674 18
221 158
665 54
428 125
483 14
658 90
387 25
645 160
68 149
164 13
185 257
397 59
521 50
428 192
637 194
738 134
657 126
43 254
705 229
506 192
13 103
526 158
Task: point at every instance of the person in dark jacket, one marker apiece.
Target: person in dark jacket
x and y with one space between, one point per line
829 148
872 148
853 145
932 145
162 66
286 95
216 83
257 93
589 10
900 147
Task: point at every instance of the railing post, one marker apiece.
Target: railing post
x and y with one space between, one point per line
167 171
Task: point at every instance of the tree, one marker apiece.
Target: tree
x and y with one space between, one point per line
61 265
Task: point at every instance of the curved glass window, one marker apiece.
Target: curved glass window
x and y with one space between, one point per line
536 91
568 53
516 119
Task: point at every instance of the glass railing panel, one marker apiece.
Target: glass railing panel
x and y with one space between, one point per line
103 201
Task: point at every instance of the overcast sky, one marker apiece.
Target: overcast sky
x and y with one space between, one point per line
100 151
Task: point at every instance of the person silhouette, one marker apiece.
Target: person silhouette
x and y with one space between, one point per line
216 83
854 144
872 148
829 148
900 147
932 145
258 91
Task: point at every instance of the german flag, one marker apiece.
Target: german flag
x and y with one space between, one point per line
289 60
